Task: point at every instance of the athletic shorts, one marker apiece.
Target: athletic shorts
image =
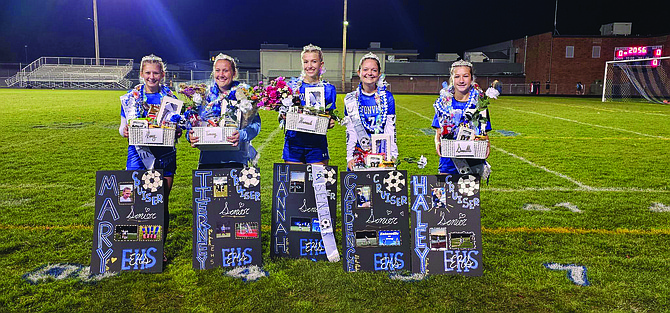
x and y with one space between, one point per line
305 154
166 160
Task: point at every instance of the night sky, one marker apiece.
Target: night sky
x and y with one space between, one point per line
182 30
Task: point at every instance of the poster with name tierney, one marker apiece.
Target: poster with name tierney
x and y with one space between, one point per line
446 225
226 218
128 226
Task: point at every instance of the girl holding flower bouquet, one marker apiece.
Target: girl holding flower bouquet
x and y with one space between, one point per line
144 102
370 109
220 101
461 105
307 148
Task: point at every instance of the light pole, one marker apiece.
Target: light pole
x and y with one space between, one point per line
26 47
345 23
95 27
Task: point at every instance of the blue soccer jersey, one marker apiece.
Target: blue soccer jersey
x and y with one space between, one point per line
306 147
373 119
446 165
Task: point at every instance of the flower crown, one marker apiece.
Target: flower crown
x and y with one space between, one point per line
228 58
152 58
460 63
369 55
311 48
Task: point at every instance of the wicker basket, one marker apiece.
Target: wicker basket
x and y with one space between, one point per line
306 123
214 138
152 137
465 149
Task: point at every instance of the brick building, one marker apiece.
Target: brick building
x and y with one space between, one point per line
560 62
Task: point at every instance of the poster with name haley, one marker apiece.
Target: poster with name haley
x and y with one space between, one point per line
296 229
128 226
446 225
226 218
375 221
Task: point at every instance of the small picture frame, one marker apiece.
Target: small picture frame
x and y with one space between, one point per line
465 134
315 98
380 144
363 197
374 160
168 105
126 194
439 198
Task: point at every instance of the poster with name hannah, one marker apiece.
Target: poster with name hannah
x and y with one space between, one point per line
128 226
296 228
375 221
226 218
446 225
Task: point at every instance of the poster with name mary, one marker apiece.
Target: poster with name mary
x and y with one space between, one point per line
128 226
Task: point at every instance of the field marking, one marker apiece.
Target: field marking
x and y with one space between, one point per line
268 139
497 230
595 108
564 189
583 123
569 138
566 177
580 184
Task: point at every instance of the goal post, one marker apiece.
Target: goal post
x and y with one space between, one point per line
627 80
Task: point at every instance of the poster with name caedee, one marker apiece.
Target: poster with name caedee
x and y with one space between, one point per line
446 225
226 218
296 228
128 226
375 221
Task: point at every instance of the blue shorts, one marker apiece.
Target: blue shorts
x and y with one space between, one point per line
305 154
166 160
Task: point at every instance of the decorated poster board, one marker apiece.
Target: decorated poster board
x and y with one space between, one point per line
296 229
128 225
375 221
226 218
446 225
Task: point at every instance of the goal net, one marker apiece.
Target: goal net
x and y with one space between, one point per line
628 80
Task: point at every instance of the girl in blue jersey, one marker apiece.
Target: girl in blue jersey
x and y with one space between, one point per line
140 102
451 108
306 148
370 109
220 92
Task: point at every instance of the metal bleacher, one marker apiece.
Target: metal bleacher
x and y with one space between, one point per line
74 73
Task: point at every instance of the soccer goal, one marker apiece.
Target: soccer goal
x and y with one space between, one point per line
627 80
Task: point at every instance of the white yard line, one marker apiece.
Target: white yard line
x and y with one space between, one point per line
582 186
269 139
566 177
582 123
599 108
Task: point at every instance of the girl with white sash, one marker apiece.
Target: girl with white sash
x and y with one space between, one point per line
370 109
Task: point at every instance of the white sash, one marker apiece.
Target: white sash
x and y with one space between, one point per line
323 211
351 105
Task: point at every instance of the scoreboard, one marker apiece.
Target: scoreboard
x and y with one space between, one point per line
639 52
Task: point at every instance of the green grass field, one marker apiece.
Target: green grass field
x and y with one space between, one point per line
607 159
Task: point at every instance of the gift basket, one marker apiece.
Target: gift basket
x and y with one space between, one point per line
158 129
463 133
310 118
